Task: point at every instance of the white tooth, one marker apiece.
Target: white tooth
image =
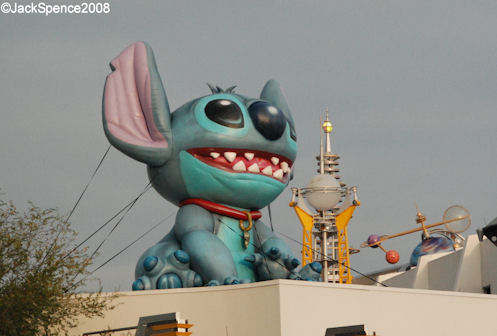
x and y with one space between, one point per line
278 174
275 160
239 166
214 155
249 156
267 171
254 168
284 166
230 156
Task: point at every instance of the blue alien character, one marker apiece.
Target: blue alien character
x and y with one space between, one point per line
220 158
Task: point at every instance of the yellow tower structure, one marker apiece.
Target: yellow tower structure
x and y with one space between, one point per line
324 234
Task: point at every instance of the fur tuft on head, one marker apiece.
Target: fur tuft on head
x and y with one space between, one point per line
217 89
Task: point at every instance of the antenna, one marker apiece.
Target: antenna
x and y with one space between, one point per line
321 154
324 233
328 128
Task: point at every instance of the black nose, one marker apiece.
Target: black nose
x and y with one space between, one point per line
268 120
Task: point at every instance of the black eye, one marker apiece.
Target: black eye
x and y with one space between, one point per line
268 120
224 112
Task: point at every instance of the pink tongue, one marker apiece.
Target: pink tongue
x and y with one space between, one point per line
221 159
263 164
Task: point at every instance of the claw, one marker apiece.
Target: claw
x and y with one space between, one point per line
169 280
138 285
295 262
274 253
316 267
213 283
250 258
182 256
231 281
197 281
150 262
255 259
292 263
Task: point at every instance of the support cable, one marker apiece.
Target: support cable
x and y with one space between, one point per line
334 260
88 184
97 230
132 202
259 249
124 249
76 205
132 243
296 241
147 188
270 216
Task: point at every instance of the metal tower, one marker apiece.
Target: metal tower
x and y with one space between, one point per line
325 229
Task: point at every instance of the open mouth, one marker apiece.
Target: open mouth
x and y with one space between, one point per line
245 161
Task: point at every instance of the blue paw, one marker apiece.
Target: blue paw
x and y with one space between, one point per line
311 272
166 269
270 265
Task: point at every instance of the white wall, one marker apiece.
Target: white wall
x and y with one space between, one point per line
242 310
297 308
388 311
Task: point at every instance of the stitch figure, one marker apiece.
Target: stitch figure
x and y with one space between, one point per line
221 158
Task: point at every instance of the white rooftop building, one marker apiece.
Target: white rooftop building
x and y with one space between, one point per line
443 295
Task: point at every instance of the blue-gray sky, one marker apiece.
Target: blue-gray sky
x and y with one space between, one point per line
411 89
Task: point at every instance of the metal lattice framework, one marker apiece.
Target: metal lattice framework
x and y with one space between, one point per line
324 234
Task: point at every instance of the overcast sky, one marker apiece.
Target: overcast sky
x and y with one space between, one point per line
410 86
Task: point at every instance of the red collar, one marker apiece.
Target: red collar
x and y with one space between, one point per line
221 209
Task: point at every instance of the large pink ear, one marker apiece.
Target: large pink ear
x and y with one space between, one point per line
136 114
